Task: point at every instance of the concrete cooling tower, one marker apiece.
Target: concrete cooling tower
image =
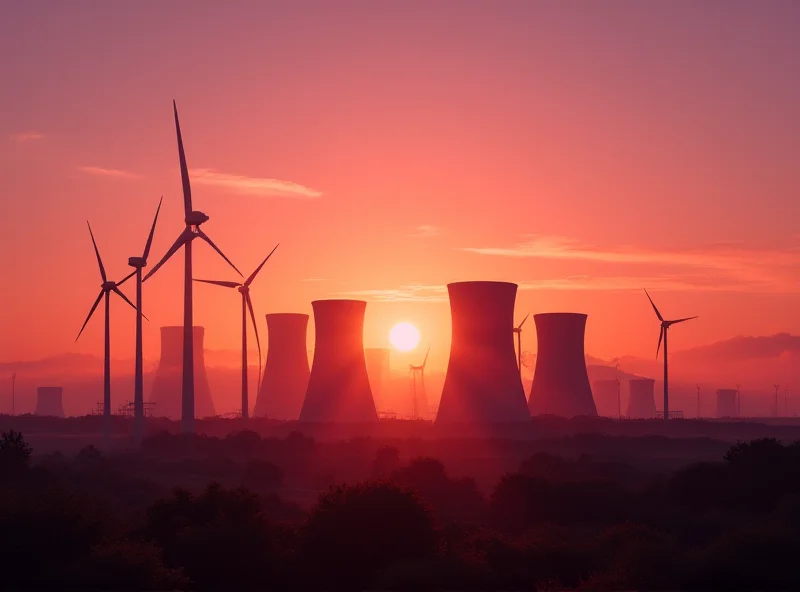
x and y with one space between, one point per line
482 383
642 401
560 382
378 371
726 403
50 401
604 393
286 371
166 392
338 389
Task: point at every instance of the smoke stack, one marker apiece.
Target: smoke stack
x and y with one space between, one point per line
560 381
726 403
338 388
642 401
50 401
604 393
286 371
482 384
166 391
377 359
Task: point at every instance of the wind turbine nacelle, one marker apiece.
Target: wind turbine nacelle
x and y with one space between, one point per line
137 262
196 218
108 286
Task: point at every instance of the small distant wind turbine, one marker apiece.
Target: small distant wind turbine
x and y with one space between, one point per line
106 288
665 325
738 400
414 399
777 387
698 401
619 389
518 332
247 304
193 220
138 263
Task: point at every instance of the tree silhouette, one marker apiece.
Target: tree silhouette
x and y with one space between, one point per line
15 455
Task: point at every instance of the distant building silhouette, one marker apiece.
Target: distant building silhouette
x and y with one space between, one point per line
167 385
560 381
482 384
726 403
50 401
378 371
286 372
338 388
604 393
642 401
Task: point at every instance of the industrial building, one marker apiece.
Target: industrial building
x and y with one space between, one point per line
50 401
286 372
560 382
726 403
338 388
167 385
378 371
606 395
482 384
641 400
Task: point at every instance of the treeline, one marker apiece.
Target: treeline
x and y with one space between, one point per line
86 523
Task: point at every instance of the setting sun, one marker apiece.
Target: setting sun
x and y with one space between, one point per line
404 336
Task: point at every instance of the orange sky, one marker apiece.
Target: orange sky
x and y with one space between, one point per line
582 150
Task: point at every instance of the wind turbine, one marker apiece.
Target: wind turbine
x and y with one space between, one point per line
698 401
138 263
247 304
665 325
193 219
421 371
518 332
619 389
106 288
738 400
777 387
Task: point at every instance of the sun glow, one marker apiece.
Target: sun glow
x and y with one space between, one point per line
404 336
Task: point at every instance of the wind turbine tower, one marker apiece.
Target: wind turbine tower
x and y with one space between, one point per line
518 333
13 393
193 219
419 402
662 336
698 401
738 400
775 408
247 305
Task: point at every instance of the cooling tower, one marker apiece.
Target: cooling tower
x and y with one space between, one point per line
642 401
726 403
286 371
378 371
166 392
560 382
605 395
482 383
338 389
50 401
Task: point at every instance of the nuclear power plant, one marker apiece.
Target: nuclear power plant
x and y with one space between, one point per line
378 371
605 394
482 384
286 372
560 381
50 401
726 403
338 388
167 385
641 399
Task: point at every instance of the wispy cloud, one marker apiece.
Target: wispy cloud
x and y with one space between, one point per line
409 293
426 231
26 136
104 172
253 185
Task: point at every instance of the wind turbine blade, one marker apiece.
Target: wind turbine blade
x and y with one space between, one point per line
152 232
97 252
681 320
219 283
255 329
126 278
658 314
660 338
121 294
204 236
255 273
523 321
179 242
91 312
187 189
425 361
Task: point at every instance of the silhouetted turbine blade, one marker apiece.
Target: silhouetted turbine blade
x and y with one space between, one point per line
425 361
91 312
152 232
523 321
255 273
121 294
187 189
97 252
219 283
658 314
204 236
255 329
660 338
681 320
126 278
185 236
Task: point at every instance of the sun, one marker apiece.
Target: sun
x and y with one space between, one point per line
404 336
